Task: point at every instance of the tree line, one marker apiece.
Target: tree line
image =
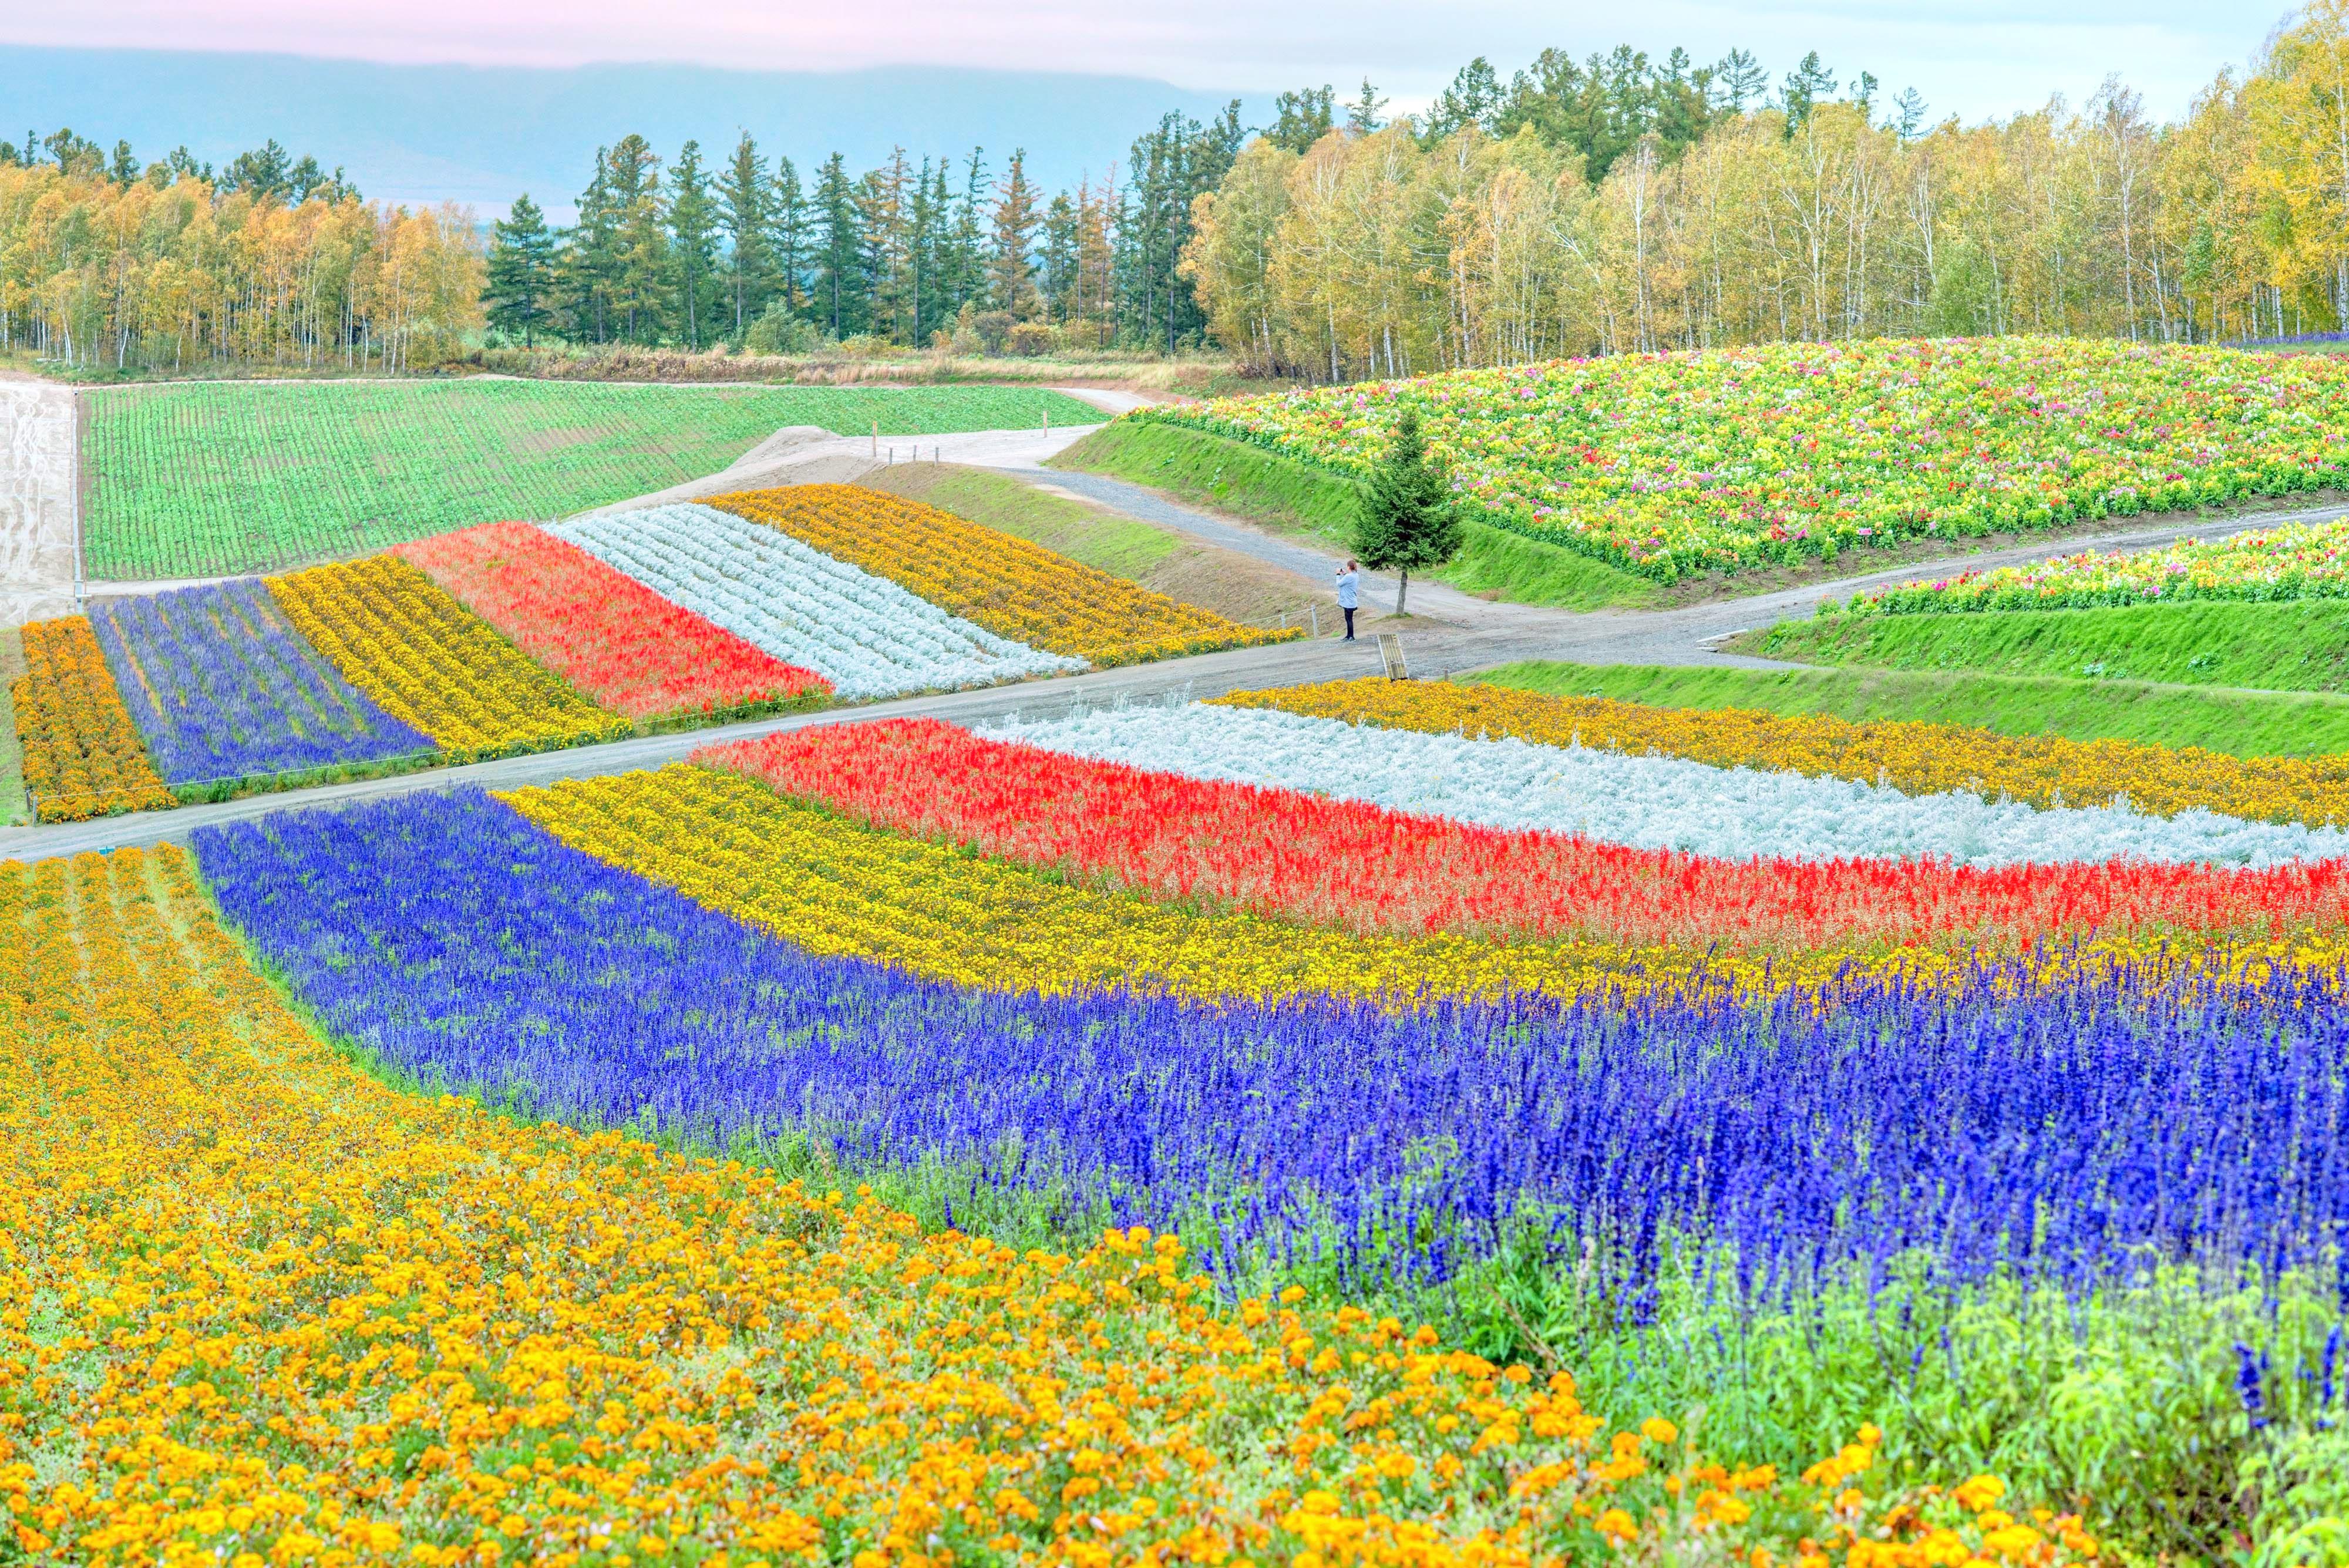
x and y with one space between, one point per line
940 249
107 262
1615 204
1624 206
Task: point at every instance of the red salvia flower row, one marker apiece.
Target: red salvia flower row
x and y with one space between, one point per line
1297 856
622 644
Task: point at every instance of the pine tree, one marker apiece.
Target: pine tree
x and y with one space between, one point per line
1805 87
693 244
1306 117
1738 80
1408 520
520 271
1059 276
588 264
838 267
643 264
1011 264
787 233
743 208
1362 114
964 268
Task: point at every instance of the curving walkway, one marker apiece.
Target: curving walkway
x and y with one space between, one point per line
1448 632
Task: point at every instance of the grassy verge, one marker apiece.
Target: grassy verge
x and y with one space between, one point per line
2238 722
1292 497
12 752
1251 592
2302 646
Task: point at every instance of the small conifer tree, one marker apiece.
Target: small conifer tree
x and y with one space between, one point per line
1408 521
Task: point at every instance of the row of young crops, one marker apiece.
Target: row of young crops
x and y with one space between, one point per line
213 479
1053 1135
1681 464
509 638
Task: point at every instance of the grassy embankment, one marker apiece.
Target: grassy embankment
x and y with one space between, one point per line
1292 497
2299 646
11 754
2246 724
1234 586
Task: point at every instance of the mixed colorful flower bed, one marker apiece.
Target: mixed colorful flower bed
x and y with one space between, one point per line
2295 561
82 756
509 638
1917 759
1012 587
1678 463
865 634
417 652
608 635
223 687
1145 1030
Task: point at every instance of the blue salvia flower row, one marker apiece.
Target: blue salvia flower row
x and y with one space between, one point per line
222 686
2074 1133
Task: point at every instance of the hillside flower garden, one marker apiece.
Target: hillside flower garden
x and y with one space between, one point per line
2293 561
1097 1140
510 638
1677 464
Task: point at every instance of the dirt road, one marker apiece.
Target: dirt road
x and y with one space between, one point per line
37 500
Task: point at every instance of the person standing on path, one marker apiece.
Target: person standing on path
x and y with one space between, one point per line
1350 597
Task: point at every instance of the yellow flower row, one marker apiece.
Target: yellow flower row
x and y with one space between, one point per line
424 657
257 1308
1008 585
1915 757
83 757
839 889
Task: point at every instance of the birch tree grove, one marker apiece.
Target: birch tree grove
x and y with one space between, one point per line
170 270
1482 237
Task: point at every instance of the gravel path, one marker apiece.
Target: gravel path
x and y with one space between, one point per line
1448 632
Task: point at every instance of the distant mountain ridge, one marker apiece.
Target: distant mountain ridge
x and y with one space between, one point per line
483 134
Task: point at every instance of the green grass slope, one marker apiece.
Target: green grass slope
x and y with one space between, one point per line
1251 592
2242 723
11 754
1294 497
212 479
2302 646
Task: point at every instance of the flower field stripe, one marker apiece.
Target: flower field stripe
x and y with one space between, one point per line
223 687
1655 803
244 1352
429 661
1969 1124
608 635
1681 462
83 757
839 889
1010 586
866 635
1323 860
1915 758
2293 561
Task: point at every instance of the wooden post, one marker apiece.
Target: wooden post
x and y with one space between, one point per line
876 435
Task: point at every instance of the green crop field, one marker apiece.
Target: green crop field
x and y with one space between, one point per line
212 479
2219 719
2297 646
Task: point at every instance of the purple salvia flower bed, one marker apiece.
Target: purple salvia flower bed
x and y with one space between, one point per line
2075 1133
223 687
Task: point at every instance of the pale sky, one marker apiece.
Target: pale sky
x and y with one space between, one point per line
1973 58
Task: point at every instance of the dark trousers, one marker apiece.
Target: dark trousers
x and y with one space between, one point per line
1350 625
